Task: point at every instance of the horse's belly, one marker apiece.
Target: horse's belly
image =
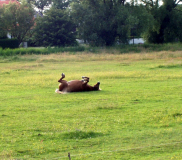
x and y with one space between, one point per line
75 86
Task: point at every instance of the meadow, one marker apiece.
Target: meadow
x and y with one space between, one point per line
136 115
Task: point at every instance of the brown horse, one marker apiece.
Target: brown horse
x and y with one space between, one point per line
76 85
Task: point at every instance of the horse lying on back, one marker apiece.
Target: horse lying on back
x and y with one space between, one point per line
76 85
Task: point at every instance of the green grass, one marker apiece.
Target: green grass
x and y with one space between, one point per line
137 115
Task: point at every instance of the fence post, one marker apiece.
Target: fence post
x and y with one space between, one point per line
69 156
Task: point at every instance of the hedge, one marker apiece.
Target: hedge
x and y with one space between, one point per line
9 43
49 50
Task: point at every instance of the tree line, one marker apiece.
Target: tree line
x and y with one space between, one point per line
97 22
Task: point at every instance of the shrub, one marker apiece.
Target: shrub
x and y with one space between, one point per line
9 43
49 50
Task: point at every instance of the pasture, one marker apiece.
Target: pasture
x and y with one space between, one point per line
137 115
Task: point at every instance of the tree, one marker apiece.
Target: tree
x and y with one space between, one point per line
62 4
40 4
16 19
102 22
96 22
54 29
3 34
168 21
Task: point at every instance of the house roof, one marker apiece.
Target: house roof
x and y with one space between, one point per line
2 2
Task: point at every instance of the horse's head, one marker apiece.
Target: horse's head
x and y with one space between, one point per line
96 87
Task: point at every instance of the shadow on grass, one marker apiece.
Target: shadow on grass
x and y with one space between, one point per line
177 115
171 66
81 135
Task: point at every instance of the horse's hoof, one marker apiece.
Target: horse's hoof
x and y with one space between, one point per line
63 75
57 90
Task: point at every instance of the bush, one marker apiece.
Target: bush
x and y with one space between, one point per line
149 47
49 50
9 43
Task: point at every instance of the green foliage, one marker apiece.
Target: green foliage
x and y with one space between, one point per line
73 50
40 4
104 22
143 20
149 47
54 29
167 25
49 50
3 36
16 19
62 4
9 43
2 33
96 50
94 23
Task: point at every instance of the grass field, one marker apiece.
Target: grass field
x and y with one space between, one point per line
137 115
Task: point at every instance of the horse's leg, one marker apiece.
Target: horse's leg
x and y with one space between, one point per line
62 76
63 84
57 91
85 80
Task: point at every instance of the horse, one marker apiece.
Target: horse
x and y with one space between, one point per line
76 85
